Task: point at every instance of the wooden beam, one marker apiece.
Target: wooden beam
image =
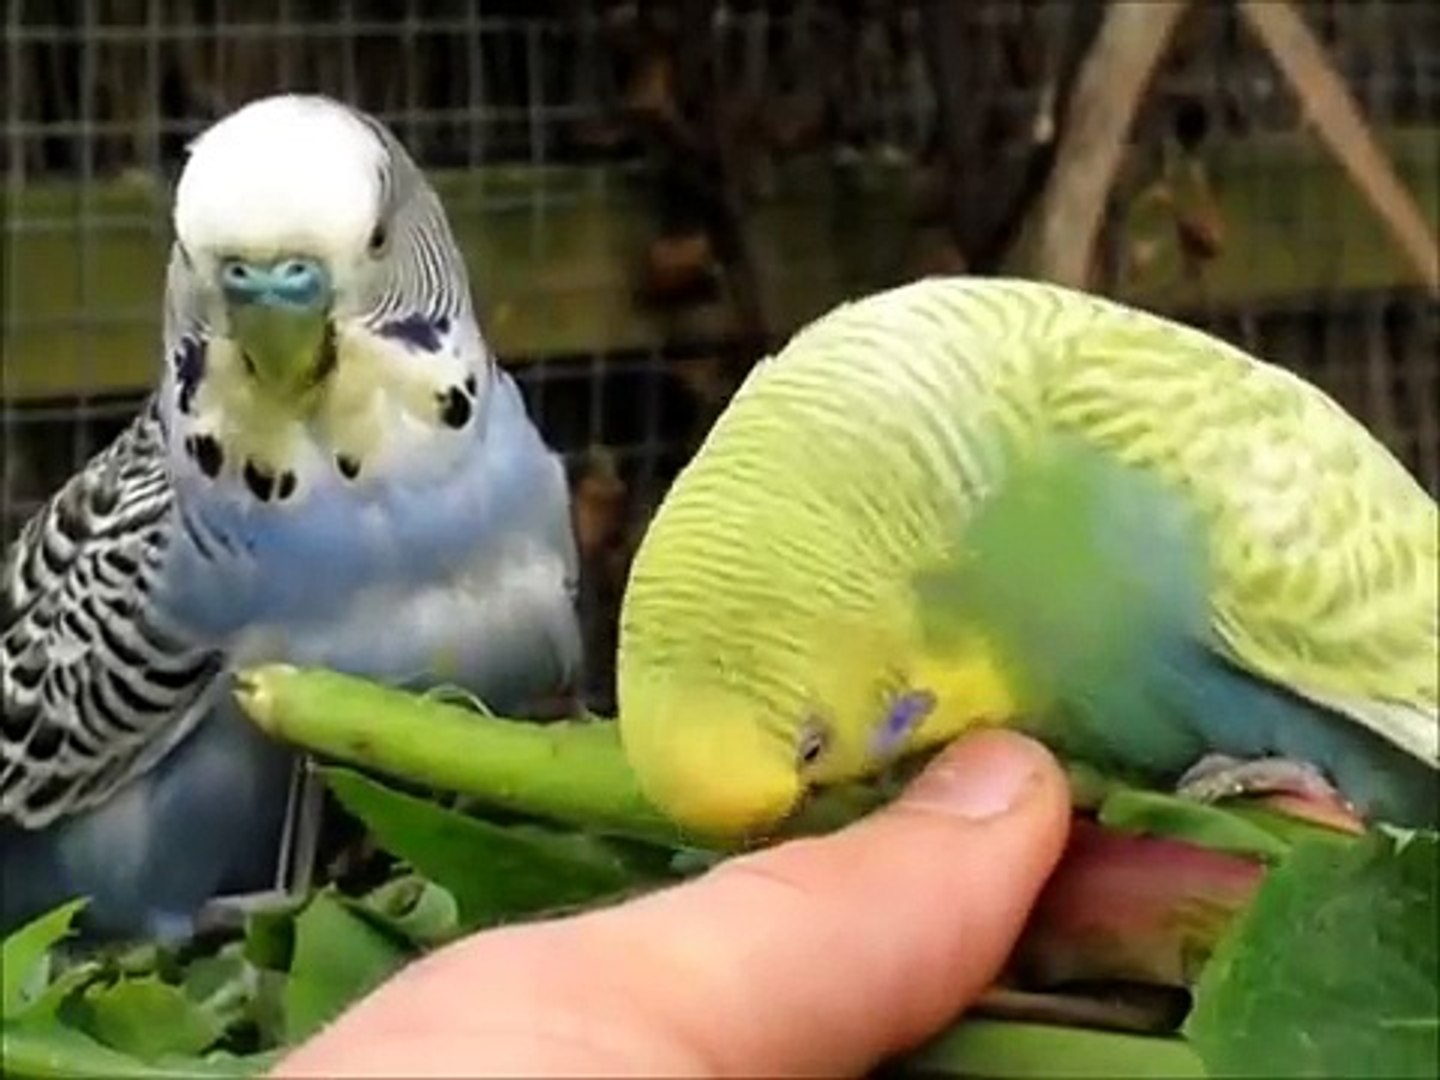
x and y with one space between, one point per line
1340 123
1112 82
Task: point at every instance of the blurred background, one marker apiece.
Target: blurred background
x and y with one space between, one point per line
652 194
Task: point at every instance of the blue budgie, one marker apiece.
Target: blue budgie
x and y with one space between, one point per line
333 471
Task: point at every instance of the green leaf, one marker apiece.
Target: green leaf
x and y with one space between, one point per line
270 939
1203 824
1333 970
1021 1050
494 872
148 1019
224 985
338 958
24 954
1236 827
46 1005
413 908
267 1010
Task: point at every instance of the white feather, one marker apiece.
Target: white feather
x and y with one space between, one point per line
281 175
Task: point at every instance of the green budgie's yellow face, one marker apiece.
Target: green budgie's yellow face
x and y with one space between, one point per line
744 752
726 752
729 739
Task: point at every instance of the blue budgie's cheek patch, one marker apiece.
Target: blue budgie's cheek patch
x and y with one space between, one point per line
207 453
423 332
457 404
189 361
906 713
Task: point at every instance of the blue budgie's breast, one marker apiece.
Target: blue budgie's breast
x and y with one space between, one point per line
466 578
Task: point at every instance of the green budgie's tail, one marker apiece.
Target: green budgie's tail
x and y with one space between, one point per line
1090 579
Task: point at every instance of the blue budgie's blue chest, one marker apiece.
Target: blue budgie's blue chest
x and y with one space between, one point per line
460 574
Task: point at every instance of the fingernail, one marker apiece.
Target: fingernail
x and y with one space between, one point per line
979 777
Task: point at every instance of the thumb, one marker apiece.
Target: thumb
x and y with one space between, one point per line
821 955
828 954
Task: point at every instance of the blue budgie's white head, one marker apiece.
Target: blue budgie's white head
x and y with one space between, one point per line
318 321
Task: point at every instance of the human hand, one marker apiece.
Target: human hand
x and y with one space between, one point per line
817 956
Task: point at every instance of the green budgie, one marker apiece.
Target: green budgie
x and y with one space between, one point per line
970 501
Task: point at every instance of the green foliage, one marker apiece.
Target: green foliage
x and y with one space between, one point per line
1237 829
1333 968
25 958
1333 971
1203 824
1021 1051
411 908
339 957
97 1018
53 1052
148 1019
494 872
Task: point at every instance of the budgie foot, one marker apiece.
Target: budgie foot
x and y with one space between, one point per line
299 845
1296 787
227 914
169 928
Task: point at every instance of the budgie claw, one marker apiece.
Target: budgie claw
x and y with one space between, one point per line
170 928
1219 776
226 914
299 844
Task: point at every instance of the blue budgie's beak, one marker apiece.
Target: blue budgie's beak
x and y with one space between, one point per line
279 315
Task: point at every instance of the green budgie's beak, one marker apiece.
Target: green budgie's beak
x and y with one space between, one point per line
279 315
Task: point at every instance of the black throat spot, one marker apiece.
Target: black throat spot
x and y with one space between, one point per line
260 483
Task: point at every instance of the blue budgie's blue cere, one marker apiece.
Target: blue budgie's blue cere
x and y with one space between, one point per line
1093 579
292 282
332 472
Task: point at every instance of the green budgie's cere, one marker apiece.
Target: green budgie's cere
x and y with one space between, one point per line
978 500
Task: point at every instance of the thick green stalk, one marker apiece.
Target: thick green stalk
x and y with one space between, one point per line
1019 1050
571 771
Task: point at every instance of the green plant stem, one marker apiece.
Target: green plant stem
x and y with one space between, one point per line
571 771
1019 1050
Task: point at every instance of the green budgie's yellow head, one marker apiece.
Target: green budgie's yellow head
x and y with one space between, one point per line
769 640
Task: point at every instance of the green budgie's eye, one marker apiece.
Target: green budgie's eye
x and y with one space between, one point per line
814 741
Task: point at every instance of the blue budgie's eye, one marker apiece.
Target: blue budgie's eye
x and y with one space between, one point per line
379 237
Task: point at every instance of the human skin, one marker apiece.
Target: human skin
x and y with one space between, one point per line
817 956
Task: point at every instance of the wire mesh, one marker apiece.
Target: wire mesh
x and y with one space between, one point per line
102 95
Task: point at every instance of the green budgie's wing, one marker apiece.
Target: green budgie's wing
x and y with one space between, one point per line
1323 549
